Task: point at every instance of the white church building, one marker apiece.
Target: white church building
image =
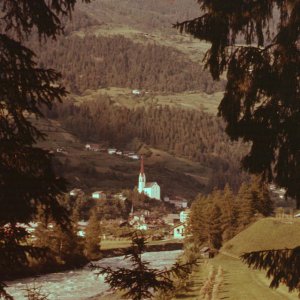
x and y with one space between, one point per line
151 189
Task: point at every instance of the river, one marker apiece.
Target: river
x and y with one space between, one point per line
83 284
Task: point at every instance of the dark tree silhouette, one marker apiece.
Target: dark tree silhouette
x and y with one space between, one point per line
26 175
141 281
262 98
282 266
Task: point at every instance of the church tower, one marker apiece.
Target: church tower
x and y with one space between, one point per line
142 177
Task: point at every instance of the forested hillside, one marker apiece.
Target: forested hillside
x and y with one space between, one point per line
187 133
95 62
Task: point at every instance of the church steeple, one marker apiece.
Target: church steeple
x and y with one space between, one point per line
142 177
142 165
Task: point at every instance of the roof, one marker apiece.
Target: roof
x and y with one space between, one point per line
150 184
204 249
98 192
178 225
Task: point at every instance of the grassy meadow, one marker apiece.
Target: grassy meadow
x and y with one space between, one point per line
228 278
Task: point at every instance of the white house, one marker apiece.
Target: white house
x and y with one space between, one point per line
76 192
177 201
151 189
184 216
99 195
179 231
111 151
136 92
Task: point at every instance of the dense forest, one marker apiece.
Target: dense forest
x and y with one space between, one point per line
192 134
94 62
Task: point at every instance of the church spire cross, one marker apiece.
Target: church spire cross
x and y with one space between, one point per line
142 165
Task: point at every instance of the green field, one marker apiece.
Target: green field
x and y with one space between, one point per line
238 282
194 100
268 233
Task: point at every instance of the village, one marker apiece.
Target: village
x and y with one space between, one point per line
169 226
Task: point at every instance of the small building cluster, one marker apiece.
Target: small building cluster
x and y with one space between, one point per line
112 151
177 201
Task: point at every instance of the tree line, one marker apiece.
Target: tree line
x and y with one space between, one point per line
186 133
92 62
219 216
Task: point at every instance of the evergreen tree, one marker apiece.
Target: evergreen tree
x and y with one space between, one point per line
261 101
214 227
198 220
92 237
229 210
24 89
246 206
262 200
140 281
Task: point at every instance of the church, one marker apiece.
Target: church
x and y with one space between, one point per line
151 189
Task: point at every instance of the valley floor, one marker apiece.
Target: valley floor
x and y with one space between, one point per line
236 282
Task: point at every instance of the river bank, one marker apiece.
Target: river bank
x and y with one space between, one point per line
83 284
107 252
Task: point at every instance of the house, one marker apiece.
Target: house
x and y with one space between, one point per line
111 151
120 196
133 156
136 92
92 147
171 219
138 222
76 192
206 252
99 195
179 231
61 150
178 202
184 216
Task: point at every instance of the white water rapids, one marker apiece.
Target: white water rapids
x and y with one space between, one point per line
82 283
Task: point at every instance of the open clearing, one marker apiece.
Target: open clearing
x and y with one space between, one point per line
239 282
194 100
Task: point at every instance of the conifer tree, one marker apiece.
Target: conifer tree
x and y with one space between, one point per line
257 44
93 237
140 280
214 227
262 200
229 210
246 208
199 219
26 174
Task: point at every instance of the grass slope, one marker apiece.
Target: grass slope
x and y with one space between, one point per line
267 233
193 100
239 281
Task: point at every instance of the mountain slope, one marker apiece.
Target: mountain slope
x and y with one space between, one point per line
267 233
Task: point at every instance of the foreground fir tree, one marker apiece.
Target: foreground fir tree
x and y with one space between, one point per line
26 174
141 281
257 43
